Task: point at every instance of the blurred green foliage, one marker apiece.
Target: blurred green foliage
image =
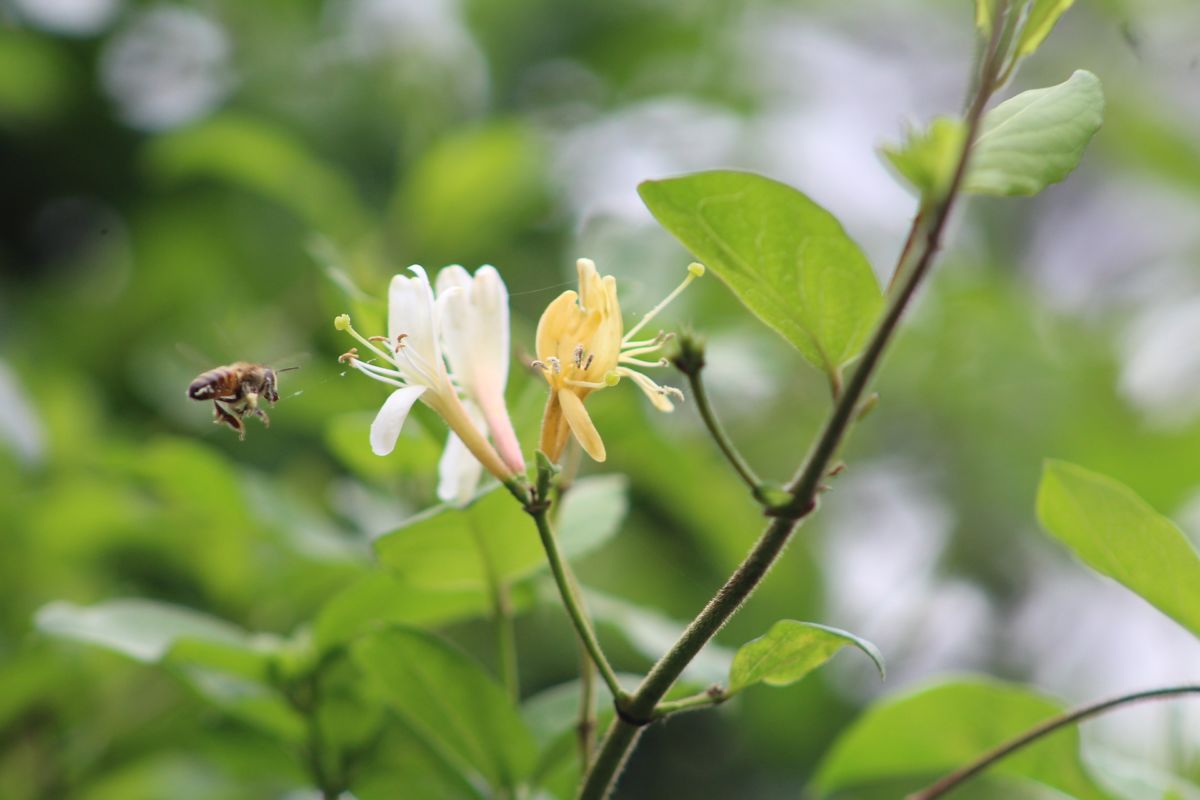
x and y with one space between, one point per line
138 250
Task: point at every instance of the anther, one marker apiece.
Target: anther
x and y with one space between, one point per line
538 365
588 365
400 337
348 356
377 338
555 364
578 355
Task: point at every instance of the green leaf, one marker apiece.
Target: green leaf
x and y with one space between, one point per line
789 651
262 157
144 630
441 548
786 258
1118 534
1036 138
452 702
936 729
1042 16
927 158
380 598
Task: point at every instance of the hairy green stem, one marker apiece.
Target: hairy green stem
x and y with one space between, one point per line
638 708
569 593
713 697
739 464
960 776
586 726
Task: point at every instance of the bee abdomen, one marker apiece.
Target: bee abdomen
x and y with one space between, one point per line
205 387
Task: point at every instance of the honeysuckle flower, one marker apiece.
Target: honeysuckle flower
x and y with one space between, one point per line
475 336
582 347
413 360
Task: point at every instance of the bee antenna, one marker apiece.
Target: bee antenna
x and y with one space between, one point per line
288 369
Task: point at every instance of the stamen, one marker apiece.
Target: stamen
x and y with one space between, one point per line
641 351
662 362
400 345
377 338
378 373
694 271
348 356
538 365
342 323
589 362
663 336
578 355
555 364
586 384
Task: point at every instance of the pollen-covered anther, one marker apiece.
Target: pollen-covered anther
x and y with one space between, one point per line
538 365
377 338
400 345
577 356
555 365
349 356
588 364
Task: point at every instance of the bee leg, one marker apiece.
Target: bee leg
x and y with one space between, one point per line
266 421
224 415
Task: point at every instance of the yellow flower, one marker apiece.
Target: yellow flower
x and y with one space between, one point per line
582 347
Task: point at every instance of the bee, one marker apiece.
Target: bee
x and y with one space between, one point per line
235 390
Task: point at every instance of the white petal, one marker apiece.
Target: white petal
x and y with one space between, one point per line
489 300
455 314
411 311
459 471
385 430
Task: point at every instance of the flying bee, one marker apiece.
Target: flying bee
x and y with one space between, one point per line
235 390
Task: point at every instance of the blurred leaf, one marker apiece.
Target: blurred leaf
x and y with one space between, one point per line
789 651
1036 138
257 155
786 258
927 158
652 634
1118 534
35 78
472 191
144 630
985 12
416 453
440 548
553 716
451 700
942 727
380 598
1040 20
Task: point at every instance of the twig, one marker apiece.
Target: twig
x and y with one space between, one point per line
960 776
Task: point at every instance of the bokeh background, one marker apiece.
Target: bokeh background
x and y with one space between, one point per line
184 184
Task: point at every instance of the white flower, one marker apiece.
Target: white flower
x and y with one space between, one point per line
413 362
475 335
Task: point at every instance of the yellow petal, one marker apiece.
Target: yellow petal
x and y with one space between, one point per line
555 319
581 424
554 429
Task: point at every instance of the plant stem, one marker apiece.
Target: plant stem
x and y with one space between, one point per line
700 396
927 232
586 727
707 699
570 597
502 616
959 776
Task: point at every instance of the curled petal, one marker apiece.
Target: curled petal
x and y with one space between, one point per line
581 424
657 394
385 430
458 470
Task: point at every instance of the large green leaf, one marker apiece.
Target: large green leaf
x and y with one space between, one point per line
441 548
789 651
452 702
936 729
1039 21
786 258
1118 534
1036 138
